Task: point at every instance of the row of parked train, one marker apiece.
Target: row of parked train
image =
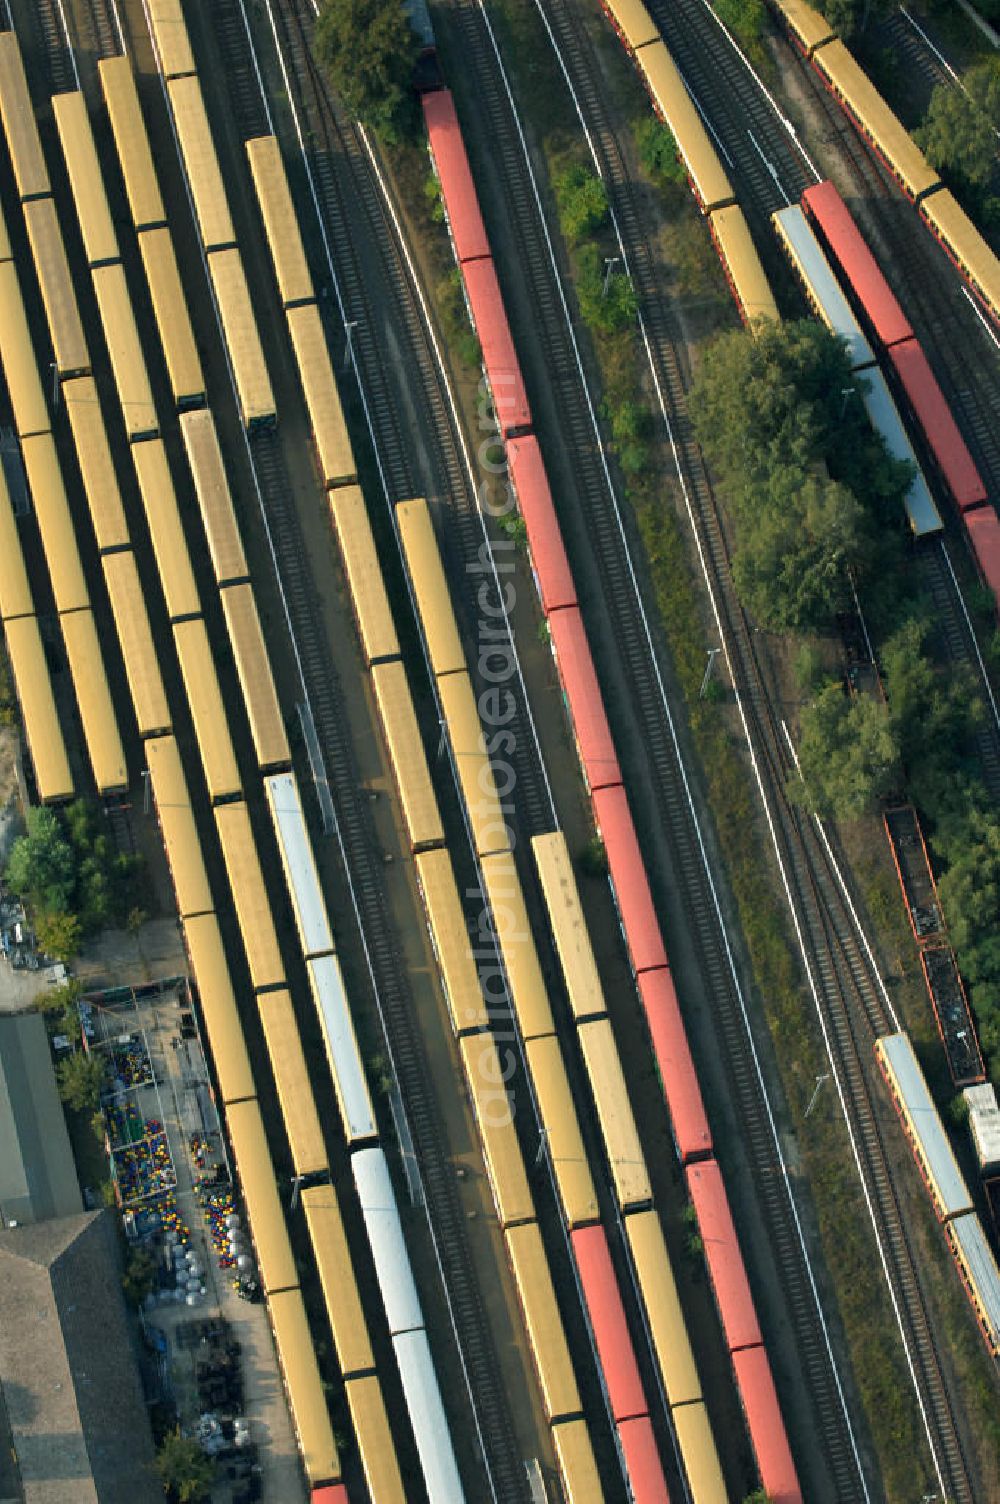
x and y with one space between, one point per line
855 293
629 880
252 902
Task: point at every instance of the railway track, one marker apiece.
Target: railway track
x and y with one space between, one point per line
844 979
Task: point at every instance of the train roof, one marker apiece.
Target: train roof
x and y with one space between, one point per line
826 207
23 141
450 934
38 708
583 693
542 1318
215 502
299 862
981 1266
634 22
100 482
385 1234
458 189
291 269
746 273
86 181
256 680
697 1445
675 1065
374 1440
131 141
297 1356
707 174
924 1122
642 1460
569 926
821 285
562 1125
984 1123
655 1276
526 470
614 1112
984 534
422 1393
86 661
766 1426
938 423
201 162
423 559
876 119
577 1467
946 216
510 400
364 573
884 417
291 1078
809 26
218 1008
180 832
726 1268
629 879
330 998
337 1279
607 1318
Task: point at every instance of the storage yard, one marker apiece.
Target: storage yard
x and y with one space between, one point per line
461 1153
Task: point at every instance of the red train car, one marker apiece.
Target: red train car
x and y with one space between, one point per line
329 1493
510 400
526 472
930 408
629 880
835 223
984 535
468 233
725 1264
679 1078
607 1318
642 1461
586 704
766 1427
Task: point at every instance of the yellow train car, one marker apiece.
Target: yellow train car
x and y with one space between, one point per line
742 264
655 1278
614 1114
260 1196
485 1073
364 574
291 1077
100 483
178 827
187 380
211 206
333 445
58 295
376 1447
546 1334
256 680
163 517
577 1468
20 368
128 363
632 22
239 324
18 115
562 1130
338 1281
528 991
42 730
6 251
170 33
142 668
217 1003
406 754
451 942
674 104
211 726
100 243
97 714
131 142
215 501
306 1395
966 247
250 895
15 592
423 560
569 927
295 283
48 495
874 119
699 1454
809 29
475 773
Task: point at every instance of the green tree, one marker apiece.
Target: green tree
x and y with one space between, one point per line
958 130
369 50
583 203
139 1277
41 869
56 1001
185 1471
933 710
852 16
759 1496
970 889
607 303
744 17
80 1078
848 754
658 151
58 935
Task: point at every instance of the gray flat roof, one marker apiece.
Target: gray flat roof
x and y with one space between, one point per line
37 1174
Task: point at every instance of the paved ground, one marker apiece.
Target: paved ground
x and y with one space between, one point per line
181 1101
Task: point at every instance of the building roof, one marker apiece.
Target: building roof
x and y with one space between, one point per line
37 1173
68 1370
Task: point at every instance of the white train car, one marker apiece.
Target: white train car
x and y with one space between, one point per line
330 998
299 865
